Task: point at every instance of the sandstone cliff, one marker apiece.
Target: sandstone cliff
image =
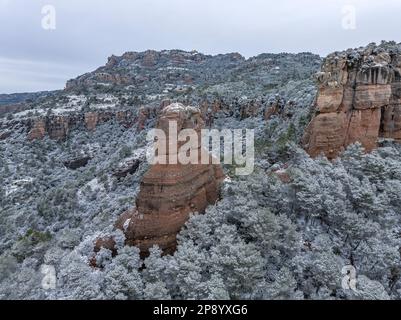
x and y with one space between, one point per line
57 127
169 193
359 99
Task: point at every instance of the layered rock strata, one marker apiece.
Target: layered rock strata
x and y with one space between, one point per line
359 99
169 193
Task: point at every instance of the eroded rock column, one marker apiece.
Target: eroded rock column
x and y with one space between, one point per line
169 193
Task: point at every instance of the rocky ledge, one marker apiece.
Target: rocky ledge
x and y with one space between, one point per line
359 99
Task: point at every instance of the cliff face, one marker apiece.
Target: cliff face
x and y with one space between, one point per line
156 69
359 99
57 127
170 192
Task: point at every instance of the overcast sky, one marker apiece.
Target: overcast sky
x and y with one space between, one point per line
88 31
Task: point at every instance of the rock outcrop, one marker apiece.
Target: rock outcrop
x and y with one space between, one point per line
169 193
38 129
129 167
274 107
170 73
359 99
77 163
4 135
57 127
91 120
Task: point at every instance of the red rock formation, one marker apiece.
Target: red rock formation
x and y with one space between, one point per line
4 135
124 118
106 242
358 100
59 127
129 167
91 120
276 107
169 193
143 116
250 109
38 130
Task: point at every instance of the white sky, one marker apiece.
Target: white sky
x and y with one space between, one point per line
88 31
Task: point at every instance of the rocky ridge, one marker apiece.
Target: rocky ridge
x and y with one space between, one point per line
225 85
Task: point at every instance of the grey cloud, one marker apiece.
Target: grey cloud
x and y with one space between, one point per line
89 31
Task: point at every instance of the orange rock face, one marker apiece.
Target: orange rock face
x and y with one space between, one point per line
358 100
38 130
91 120
169 193
150 59
58 127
